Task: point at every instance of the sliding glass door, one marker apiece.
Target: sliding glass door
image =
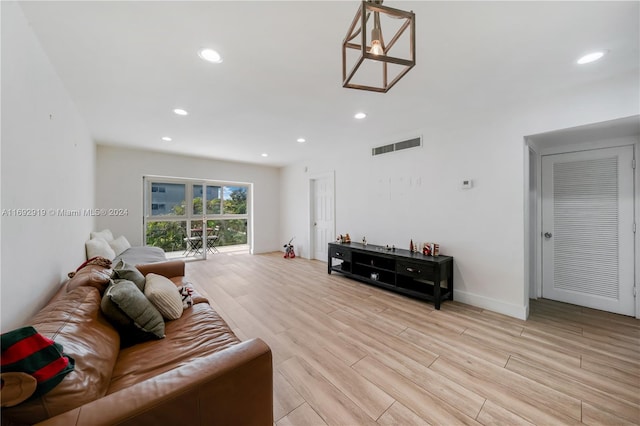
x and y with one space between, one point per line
189 218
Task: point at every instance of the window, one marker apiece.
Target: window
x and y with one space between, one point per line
213 200
169 223
168 199
235 200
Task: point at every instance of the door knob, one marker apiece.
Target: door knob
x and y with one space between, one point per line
547 234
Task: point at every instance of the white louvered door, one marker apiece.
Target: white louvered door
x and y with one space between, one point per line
587 227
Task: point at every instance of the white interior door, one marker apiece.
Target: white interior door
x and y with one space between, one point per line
588 229
322 216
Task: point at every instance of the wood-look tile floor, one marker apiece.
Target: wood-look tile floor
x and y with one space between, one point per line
346 353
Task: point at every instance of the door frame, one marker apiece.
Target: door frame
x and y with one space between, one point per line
533 194
310 204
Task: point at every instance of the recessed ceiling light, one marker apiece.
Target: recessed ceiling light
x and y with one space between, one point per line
264 154
360 115
302 140
210 55
166 138
180 111
591 57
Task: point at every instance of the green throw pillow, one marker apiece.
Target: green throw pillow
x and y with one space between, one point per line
131 313
123 271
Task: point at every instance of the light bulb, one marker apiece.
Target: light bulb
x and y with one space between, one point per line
376 42
376 47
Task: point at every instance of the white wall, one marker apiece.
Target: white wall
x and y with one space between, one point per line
48 162
416 194
119 185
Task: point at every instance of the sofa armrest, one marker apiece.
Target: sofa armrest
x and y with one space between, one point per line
169 269
231 387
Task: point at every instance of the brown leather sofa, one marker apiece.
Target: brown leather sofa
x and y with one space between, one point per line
199 374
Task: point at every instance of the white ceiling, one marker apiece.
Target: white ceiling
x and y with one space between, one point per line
128 64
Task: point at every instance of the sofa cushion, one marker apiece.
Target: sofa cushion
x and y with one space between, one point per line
73 320
124 271
119 245
131 313
99 247
164 295
199 332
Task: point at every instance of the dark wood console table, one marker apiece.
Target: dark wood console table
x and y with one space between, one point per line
399 270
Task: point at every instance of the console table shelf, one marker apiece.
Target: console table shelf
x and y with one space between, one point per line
413 274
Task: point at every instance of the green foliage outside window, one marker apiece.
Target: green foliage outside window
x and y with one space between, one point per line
178 209
169 236
237 202
232 231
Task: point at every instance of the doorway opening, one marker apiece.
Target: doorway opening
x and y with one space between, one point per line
571 213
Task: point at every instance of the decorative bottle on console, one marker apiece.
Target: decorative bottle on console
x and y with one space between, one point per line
411 246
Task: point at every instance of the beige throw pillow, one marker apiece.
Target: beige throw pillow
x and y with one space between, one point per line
164 295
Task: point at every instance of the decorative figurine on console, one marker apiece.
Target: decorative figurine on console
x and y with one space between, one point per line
431 249
364 241
343 239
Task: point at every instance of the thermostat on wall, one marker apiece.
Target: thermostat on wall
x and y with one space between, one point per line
467 184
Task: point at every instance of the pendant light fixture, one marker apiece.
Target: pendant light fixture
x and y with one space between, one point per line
377 66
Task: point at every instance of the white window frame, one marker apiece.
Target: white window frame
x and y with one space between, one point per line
189 217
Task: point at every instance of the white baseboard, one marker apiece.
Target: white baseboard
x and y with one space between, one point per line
495 305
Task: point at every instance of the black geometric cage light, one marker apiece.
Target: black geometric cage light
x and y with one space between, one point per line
380 65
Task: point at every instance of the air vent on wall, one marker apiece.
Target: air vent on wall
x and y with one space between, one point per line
398 146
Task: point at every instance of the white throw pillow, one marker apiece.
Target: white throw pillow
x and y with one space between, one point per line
164 295
99 247
105 234
119 245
